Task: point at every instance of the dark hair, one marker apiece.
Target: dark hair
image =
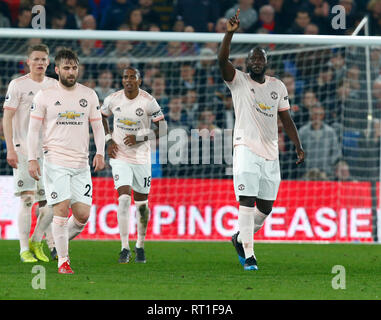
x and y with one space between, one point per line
66 54
38 47
134 69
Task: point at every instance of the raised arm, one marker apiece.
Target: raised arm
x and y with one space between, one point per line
289 127
227 68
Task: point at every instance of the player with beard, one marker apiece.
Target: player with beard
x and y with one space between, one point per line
258 101
64 112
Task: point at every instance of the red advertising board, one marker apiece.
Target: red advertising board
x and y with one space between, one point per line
206 209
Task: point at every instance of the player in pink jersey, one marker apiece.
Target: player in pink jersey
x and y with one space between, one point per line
20 94
64 112
130 154
258 100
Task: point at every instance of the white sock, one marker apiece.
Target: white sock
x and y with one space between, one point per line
74 227
45 217
24 220
246 230
259 219
123 215
61 238
142 228
49 236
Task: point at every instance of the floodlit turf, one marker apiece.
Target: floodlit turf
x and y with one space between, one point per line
197 270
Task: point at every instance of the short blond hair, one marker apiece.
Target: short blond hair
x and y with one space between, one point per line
38 47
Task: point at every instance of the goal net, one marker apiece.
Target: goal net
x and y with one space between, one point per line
334 93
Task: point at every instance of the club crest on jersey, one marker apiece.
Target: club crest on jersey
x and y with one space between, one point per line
54 195
33 107
139 112
83 103
274 95
20 183
241 187
7 97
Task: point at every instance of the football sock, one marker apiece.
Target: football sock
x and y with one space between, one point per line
123 215
61 238
24 220
142 217
74 227
259 219
44 219
246 228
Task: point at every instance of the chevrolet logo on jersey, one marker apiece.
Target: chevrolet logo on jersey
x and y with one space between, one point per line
264 107
70 115
127 122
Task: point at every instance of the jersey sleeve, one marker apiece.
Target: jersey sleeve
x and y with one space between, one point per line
284 103
154 111
95 108
106 106
38 107
235 83
13 96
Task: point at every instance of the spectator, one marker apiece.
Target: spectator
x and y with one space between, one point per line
87 48
315 174
121 64
150 70
152 48
115 14
24 17
337 62
282 20
123 48
190 48
376 93
5 16
149 14
319 11
266 21
342 172
206 120
89 22
76 13
221 25
324 86
301 21
300 113
176 117
58 20
320 143
247 16
225 116
105 82
286 154
158 91
178 25
192 107
311 29
200 14
135 20
353 77
374 7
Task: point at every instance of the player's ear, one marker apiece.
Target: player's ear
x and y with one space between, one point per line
56 69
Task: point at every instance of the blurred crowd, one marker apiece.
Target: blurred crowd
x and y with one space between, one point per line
327 87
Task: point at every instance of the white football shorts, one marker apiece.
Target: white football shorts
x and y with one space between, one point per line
137 176
24 182
254 176
62 183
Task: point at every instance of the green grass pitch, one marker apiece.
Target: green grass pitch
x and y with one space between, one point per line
198 271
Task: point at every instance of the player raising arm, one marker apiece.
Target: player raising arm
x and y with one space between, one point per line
258 100
20 94
64 112
130 154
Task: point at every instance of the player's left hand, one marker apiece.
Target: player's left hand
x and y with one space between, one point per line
98 163
129 140
300 153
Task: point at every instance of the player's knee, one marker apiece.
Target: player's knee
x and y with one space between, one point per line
124 203
27 200
265 207
246 201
